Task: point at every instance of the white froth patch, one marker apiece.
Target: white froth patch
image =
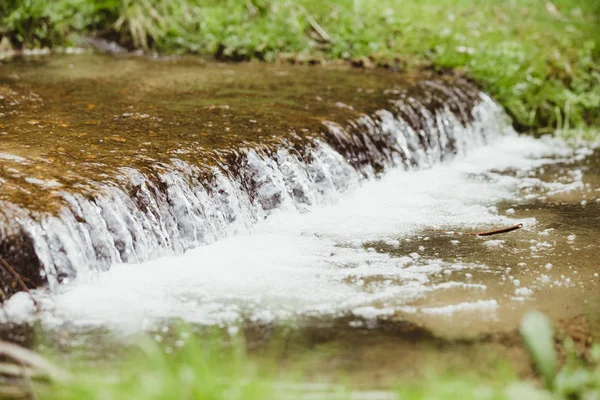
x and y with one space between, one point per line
523 292
372 312
450 309
314 264
44 183
494 244
12 157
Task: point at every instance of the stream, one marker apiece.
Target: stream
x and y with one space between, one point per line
139 193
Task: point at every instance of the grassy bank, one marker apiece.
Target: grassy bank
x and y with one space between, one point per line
540 59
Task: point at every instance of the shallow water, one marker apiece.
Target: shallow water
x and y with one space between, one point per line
380 253
180 154
68 120
135 199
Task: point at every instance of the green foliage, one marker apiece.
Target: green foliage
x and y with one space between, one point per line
539 341
27 21
540 59
41 23
218 366
194 368
578 379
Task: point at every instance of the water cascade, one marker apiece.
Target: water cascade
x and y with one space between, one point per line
132 215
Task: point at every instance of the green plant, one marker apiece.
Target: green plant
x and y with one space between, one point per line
578 379
539 341
202 367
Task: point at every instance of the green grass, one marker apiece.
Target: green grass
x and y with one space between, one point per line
540 59
217 367
205 368
192 368
579 378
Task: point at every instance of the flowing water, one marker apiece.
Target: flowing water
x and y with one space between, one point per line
139 193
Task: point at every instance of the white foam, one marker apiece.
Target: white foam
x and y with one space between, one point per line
44 183
479 305
295 264
12 157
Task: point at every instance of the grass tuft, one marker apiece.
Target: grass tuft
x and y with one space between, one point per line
539 340
194 368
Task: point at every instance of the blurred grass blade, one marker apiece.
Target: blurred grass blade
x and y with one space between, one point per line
539 341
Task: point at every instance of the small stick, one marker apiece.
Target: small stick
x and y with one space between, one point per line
6 266
489 233
501 230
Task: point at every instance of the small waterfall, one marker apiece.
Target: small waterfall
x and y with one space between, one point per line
169 208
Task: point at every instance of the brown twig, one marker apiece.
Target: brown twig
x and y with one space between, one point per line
6 266
489 233
501 230
27 280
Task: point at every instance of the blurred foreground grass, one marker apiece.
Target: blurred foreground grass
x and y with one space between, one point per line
540 59
216 365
